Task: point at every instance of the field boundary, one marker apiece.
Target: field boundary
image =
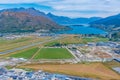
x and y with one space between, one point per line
35 53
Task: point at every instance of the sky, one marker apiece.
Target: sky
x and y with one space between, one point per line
69 8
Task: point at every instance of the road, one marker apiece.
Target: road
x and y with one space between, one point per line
30 45
76 58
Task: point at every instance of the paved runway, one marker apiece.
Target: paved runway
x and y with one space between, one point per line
27 46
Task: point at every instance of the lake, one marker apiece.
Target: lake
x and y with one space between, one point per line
83 30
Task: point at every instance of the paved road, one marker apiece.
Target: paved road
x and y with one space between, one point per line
76 58
30 45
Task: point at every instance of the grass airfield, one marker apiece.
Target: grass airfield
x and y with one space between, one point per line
44 53
27 54
53 53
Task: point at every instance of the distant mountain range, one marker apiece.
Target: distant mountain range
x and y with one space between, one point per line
110 24
66 20
26 20
32 20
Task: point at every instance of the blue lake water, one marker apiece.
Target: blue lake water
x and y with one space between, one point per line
83 30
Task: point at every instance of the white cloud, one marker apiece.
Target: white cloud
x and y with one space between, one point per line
99 7
21 1
77 8
85 5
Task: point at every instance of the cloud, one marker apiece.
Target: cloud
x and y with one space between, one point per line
73 8
87 7
21 1
26 5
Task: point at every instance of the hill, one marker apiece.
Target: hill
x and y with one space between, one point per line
26 20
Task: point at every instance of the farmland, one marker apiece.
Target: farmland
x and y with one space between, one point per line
53 53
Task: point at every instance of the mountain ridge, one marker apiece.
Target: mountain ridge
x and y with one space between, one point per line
67 20
110 24
26 20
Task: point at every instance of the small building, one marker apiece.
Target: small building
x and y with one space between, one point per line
2 71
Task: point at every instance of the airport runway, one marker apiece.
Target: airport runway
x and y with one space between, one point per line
30 45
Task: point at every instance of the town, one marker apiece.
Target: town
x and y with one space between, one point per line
20 74
73 52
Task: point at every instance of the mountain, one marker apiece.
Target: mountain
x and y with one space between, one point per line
67 20
31 11
26 20
108 23
111 25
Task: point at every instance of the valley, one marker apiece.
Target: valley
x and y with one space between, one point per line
42 45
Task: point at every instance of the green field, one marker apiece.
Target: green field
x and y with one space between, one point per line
53 53
25 54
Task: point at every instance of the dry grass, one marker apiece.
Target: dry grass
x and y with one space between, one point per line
112 64
75 39
17 43
93 70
